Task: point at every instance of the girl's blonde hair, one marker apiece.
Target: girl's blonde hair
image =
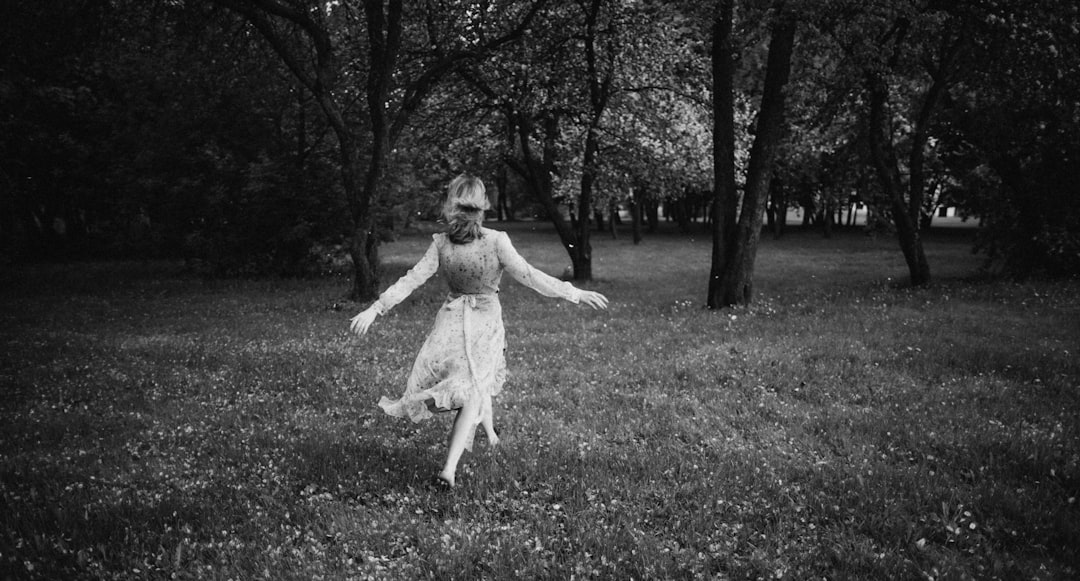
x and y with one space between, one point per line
466 200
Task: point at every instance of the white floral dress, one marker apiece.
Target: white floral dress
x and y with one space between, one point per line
463 355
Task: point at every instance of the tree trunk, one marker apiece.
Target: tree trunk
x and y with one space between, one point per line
502 180
886 169
682 210
383 37
907 210
779 207
581 250
599 86
732 284
636 203
364 251
726 196
363 242
827 223
536 171
651 209
613 219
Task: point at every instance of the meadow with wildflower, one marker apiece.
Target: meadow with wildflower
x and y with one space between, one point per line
159 426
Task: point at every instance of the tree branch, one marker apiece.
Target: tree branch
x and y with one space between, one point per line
645 88
272 36
419 89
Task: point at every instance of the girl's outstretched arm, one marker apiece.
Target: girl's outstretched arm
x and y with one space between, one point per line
398 291
542 283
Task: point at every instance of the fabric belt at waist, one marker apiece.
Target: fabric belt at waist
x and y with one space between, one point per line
470 298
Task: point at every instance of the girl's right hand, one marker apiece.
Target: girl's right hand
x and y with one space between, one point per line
361 322
593 299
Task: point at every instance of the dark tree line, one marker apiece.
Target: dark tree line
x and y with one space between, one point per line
255 136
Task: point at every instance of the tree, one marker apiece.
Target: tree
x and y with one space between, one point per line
737 222
129 136
538 106
402 56
47 150
571 98
906 199
1010 136
895 65
658 135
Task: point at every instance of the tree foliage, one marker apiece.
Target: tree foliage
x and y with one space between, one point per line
594 108
1013 135
108 155
248 136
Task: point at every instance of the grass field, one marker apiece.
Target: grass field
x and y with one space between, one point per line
155 425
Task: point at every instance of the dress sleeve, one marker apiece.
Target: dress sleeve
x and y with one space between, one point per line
416 276
520 270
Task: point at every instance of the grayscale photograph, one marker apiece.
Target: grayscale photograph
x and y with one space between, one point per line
777 290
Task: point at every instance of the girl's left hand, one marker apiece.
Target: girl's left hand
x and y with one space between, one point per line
361 322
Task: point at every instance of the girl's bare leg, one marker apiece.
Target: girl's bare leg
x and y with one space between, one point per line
488 420
459 435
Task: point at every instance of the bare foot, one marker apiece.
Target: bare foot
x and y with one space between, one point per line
492 437
445 479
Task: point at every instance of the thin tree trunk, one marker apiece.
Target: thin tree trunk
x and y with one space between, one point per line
500 193
384 39
683 214
599 92
779 207
907 227
581 252
363 243
301 130
827 223
536 171
907 213
613 218
636 203
651 208
502 179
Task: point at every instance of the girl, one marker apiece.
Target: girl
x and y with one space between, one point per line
461 364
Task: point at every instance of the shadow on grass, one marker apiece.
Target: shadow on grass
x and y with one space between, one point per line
78 518
361 470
